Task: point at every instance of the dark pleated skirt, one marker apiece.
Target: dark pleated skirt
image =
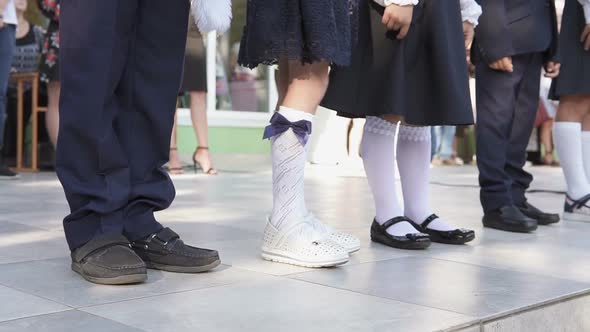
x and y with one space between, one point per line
423 78
194 77
574 77
306 30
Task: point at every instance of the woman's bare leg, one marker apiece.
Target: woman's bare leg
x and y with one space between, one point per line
52 116
174 163
201 127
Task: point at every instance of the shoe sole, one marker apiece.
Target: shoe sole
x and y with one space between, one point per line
128 279
352 250
436 239
509 229
278 258
410 245
576 217
183 269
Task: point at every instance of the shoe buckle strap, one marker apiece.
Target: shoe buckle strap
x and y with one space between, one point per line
395 221
165 236
429 220
100 242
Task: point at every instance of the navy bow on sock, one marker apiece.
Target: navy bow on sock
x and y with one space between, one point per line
279 124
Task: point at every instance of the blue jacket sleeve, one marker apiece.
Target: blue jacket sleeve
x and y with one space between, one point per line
492 34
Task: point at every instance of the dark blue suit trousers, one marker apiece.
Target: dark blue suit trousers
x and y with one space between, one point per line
121 65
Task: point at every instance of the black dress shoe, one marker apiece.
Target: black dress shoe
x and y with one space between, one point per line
456 236
541 217
509 218
109 260
412 241
167 252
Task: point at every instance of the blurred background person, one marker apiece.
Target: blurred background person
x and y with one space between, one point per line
29 42
194 85
8 23
49 67
444 146
544 124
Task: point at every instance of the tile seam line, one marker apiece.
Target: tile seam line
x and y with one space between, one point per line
512 270
70 310
82 308
34 316
18 289
386 298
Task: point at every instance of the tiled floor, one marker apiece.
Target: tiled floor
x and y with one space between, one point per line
381 289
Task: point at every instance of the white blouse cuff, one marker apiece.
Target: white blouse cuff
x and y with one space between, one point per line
587 12
470 11
386 3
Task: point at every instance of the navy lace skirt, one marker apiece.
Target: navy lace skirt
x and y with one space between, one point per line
306 30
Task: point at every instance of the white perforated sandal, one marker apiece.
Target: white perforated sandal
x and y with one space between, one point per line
301 245
349 242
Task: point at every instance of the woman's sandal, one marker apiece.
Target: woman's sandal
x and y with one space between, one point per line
174 170
456 236
411 241
198 166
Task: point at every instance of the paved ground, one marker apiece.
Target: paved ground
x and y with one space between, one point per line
381 289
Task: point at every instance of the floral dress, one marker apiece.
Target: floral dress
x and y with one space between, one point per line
49 66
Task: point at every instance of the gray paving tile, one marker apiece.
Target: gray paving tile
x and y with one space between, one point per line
16 304
560 254
20 243
274 305
67 321
53 279
468 289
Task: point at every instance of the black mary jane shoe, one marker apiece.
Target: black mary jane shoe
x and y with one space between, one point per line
456 236
411 241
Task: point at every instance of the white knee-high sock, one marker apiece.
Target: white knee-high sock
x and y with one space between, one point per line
586 152
378 153
288 166
413 160
568 143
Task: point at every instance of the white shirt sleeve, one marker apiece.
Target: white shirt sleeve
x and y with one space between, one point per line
386 3
10 13
471 11
586 5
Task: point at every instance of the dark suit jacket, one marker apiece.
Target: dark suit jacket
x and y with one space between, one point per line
511 27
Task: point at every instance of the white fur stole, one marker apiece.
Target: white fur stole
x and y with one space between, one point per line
212 15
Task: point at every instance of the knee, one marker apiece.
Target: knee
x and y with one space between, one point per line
573 108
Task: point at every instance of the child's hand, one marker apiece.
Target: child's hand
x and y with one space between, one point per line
468 35
398 18
585 38
552 69
504 64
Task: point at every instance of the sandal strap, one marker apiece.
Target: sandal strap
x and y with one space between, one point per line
173 148
429 220
202 148
582 201
395 221
99 242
